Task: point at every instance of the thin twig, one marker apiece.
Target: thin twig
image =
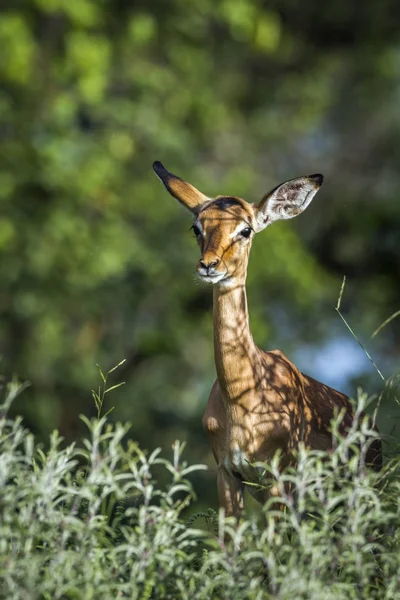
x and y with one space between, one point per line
352 332
378 404
382 325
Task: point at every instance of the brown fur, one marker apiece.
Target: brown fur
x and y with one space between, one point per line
260 402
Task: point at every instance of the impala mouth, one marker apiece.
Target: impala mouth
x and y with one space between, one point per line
210 277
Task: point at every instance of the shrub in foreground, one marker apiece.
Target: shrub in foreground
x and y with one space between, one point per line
90 521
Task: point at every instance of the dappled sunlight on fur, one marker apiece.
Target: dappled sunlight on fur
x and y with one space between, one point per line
260 403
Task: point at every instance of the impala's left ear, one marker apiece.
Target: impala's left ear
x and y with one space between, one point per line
287 200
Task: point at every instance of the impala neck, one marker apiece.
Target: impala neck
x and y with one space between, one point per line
234 348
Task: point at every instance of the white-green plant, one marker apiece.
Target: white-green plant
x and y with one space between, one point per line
90 521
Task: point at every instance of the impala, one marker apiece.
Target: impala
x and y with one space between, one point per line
260 401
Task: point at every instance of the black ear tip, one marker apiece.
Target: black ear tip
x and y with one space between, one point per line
317 178
158 167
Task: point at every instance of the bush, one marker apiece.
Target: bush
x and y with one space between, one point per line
90 521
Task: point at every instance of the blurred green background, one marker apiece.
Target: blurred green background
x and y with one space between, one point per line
97 261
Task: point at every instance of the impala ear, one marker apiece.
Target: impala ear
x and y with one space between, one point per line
287 200
181 190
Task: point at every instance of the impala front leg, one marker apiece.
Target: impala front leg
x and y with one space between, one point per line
230 493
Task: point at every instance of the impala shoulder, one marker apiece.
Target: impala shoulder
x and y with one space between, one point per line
214 415
279 367
211 424
280 358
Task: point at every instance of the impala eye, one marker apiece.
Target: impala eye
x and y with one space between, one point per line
196 230
246 232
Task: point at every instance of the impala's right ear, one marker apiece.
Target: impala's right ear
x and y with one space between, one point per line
181 190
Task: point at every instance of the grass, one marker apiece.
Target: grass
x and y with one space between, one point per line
90 520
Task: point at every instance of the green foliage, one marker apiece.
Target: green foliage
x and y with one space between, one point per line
92 520
103 389
95 264
88 520
95 261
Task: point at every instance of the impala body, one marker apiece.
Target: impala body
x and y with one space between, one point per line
260 401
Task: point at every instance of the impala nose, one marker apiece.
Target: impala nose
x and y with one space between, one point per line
207 265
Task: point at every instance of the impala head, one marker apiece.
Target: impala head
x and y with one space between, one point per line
224 226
